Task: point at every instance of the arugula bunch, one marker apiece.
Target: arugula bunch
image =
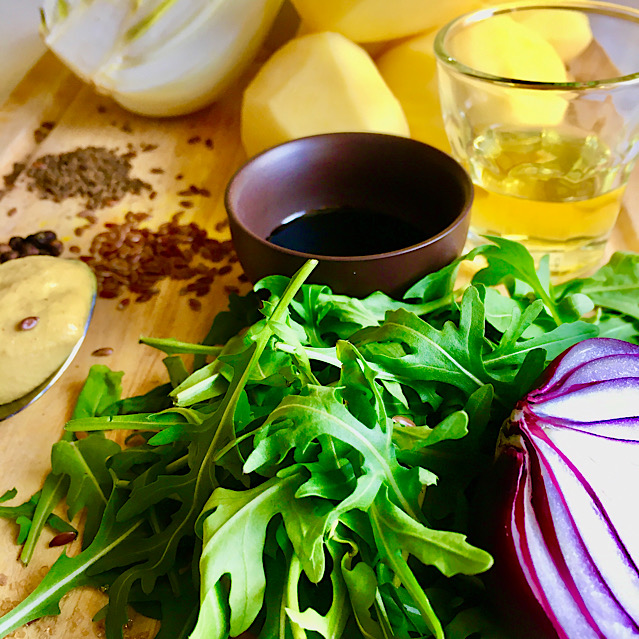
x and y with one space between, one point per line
310 477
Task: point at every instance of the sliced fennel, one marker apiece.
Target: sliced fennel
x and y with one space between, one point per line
158 57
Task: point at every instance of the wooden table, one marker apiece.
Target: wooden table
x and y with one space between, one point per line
49 93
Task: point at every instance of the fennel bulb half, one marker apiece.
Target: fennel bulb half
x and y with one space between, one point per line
158 57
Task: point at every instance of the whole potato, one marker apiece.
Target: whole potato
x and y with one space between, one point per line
410 71
377 20
317 83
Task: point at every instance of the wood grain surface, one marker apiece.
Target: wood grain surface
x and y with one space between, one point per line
49 93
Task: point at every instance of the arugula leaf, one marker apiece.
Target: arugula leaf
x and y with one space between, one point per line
553 343
213 614
619 327
615 286
176 368
332 623
176 612
70 572
473 622
158 554
395 533
454 355
53 491
361 582
320 411
172 346
22 510
101 390
504 313
234 536
9 494
242 311
155 400
84 462
507 260
413 438
24 515
438 285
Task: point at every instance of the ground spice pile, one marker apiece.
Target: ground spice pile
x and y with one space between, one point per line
129 259
11 178
98 175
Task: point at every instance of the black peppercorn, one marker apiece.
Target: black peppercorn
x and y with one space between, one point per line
40 243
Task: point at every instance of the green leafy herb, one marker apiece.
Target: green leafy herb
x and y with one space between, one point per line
25 515
101 389
614 287
69 572
53 491
310 476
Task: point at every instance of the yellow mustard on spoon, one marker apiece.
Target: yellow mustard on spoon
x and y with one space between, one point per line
46 305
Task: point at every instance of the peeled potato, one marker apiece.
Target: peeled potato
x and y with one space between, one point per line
318 83
374 20
503 47
410 70
568 31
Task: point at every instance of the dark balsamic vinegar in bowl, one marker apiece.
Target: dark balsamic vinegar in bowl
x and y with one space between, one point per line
345 231
377 211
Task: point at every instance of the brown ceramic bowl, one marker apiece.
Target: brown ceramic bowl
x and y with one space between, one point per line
388 175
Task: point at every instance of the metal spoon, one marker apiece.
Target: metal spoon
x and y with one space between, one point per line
11 408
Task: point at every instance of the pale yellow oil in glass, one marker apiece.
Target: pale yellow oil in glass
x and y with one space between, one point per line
557 193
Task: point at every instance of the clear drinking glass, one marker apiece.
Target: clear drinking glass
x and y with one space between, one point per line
541 105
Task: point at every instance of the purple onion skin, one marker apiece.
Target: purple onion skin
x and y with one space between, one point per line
518 484
582 353
511 598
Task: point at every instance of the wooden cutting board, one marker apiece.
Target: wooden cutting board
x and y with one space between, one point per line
49 93
82 118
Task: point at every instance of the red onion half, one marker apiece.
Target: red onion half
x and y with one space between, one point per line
568 543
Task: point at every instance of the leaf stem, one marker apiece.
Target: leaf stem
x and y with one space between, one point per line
402 570
233 443
294 573
435 305
156 527
54 489
177 464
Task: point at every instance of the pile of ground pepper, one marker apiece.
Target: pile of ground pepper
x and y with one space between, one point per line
130 261
11 177
98 175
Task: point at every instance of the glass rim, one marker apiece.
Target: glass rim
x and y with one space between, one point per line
589 6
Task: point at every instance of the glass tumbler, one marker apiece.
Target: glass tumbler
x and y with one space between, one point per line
541 105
